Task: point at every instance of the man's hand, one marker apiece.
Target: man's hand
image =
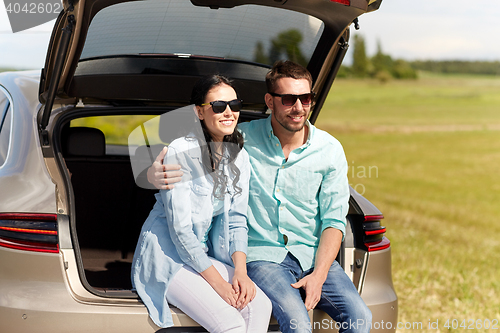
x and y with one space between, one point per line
164 176
329 245
312 285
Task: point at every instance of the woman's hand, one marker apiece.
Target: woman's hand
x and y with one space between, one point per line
244 288
226 292
221 286
242 284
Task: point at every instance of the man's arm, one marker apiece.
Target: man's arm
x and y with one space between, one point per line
334 204
164 176
328 249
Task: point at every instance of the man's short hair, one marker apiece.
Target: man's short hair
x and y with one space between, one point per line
283 69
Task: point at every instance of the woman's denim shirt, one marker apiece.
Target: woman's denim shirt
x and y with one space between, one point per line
173 233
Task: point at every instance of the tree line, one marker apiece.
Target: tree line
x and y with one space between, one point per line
458 66
383 67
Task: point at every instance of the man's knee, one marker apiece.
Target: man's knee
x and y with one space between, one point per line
291 315
360 319
297 326
360 310
368 314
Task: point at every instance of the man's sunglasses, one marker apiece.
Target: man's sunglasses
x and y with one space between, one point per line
220 106
290 99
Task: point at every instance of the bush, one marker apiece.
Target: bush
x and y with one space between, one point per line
383 76
402 70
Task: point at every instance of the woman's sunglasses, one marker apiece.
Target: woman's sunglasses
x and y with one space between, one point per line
290 99
220 106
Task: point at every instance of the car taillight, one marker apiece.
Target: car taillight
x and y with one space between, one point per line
343 2
29 232
374 238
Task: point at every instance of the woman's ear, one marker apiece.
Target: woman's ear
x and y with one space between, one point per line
199 112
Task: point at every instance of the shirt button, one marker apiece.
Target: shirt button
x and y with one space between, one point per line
277 190
282 166
277 145
281 208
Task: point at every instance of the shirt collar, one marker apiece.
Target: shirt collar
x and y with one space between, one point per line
270 133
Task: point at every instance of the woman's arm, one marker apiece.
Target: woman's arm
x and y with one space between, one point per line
238 229
178 204
243 286
178 211
221 286
238 235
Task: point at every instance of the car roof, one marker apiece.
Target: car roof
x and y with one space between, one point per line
153 51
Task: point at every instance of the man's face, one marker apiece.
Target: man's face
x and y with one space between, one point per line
290 118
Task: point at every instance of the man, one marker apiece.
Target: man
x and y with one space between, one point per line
298 204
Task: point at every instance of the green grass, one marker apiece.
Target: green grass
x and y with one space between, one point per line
433 148
443 101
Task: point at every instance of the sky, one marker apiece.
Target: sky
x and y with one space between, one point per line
405 29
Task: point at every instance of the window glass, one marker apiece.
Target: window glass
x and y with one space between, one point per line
5 124
117 130
177 27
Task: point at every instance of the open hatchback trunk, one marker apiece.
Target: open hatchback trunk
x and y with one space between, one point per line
114 75
114 63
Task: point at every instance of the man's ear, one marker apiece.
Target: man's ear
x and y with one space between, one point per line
269 101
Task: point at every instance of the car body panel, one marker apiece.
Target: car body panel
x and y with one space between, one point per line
378 291
44 295
30 186
41 291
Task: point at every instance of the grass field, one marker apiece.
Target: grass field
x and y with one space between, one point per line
427 154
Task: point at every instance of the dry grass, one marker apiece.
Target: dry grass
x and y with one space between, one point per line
437 182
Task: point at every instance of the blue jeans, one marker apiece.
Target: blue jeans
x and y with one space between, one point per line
339 298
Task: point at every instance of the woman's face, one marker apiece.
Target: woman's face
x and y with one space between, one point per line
219 124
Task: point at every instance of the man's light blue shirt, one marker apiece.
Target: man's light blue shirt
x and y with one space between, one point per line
293 200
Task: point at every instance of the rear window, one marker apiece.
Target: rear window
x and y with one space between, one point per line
249 33
118 129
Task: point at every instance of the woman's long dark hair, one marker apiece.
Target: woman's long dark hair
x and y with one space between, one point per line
210 159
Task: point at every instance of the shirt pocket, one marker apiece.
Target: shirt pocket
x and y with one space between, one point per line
305 186
200 199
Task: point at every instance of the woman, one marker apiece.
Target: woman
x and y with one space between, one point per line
197 231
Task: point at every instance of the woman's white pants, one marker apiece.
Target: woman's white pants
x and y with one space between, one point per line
191 293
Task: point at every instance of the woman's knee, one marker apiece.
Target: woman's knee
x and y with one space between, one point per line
262 303
229 323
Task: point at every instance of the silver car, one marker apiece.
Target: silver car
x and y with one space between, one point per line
72 205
